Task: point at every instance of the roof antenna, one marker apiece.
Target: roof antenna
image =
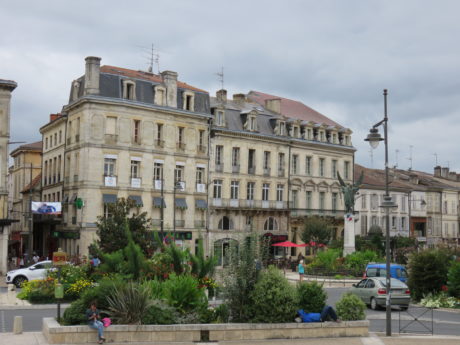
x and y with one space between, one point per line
396 153
436 159
221 77
410 156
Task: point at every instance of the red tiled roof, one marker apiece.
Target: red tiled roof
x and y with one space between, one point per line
293 109
376 178
33 184
144 75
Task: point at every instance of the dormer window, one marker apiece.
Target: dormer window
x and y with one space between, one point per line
321 136
220 117
295 132
188 100
129 89
308 134
282 128
252 123
160 95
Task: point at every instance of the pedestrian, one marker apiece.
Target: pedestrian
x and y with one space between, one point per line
93 317
301 270
21 262
35 258
328 313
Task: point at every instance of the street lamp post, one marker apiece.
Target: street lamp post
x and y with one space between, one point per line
374 138
177 185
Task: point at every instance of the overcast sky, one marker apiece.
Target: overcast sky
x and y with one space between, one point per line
334 56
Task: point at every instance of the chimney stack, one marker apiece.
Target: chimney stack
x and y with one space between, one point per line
170 82
444 172
452 176
92 73
437 171
221 96
273 105
239 98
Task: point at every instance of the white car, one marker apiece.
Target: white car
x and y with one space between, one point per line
33 272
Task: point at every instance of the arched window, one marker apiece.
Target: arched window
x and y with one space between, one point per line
271 224
225 223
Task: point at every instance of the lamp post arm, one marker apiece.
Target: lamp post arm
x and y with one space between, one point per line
379 123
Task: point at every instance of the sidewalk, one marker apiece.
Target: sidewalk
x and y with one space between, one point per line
36 338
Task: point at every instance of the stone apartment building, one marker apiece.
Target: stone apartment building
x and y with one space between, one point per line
128 134
6 88
25 174
274 162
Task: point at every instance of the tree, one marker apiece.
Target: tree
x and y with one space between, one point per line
316 229
111 230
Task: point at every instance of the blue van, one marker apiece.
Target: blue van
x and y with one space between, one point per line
379 270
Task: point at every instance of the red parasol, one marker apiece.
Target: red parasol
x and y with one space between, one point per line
287 244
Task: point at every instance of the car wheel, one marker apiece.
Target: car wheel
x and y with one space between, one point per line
374 305
19 280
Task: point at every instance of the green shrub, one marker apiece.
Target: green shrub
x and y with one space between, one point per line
453 280
38 291
312 297
327 260
127 304
427 272
350 307
159 313
156 288
440 300
183 293
274 298
75 314
357 261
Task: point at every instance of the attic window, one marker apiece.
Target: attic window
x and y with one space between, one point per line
188 101
252 123
220 118
160 93
282 128
129 90
295 132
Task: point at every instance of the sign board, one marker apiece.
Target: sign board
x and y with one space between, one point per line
59 258
39 207
59 291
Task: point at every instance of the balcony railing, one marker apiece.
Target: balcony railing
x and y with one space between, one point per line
201 188
156 222
252 204
201 148
235 168
200 224
281 172
266 171
180 145
110 181
157 184
219 167
160 143
136 182
251 170
180 223
321 212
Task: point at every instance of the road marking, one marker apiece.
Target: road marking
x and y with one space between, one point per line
372 340
2 317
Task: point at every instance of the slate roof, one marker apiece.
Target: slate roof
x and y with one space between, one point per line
144 76
293 109
36 146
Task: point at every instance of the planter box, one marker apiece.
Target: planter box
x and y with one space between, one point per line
56 334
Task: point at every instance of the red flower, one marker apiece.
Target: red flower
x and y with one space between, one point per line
444 288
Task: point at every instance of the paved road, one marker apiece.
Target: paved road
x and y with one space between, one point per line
442 322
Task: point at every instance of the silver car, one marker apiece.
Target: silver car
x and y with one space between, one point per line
372 291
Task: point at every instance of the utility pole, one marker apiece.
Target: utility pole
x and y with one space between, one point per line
161 207
31 220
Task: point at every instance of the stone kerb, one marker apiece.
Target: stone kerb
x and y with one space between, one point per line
57 334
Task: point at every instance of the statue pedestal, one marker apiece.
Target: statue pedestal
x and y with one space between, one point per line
349 234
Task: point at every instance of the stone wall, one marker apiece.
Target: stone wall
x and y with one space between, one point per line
56 334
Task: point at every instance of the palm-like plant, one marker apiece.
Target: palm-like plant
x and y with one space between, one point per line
128 303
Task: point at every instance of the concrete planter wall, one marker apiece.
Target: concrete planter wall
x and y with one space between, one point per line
56 334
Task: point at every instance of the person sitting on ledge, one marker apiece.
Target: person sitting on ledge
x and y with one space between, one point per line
328 313
93 316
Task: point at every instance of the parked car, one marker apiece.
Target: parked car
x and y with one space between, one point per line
372 292
33 272
380 270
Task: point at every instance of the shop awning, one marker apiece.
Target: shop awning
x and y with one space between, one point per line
201 204
109 198
159 202
137 199
181 203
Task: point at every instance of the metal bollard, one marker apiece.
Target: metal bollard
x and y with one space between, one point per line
17 325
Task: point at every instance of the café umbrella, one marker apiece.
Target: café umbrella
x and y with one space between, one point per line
288 244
